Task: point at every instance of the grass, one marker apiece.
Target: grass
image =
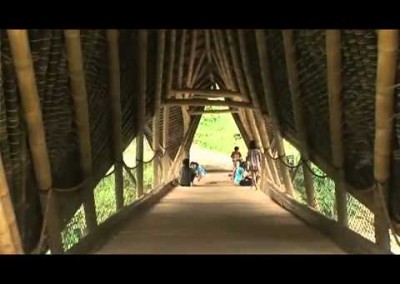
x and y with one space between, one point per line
219 133
104 195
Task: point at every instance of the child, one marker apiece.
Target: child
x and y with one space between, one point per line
236 157
199 170
187 174
239 173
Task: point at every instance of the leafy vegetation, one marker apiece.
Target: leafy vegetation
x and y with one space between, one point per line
219 133
104 196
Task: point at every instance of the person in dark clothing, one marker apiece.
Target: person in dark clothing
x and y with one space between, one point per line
187 174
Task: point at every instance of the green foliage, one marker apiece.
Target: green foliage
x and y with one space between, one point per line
219 132
74 230
104 195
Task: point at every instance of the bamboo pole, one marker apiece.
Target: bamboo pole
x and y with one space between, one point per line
241 128
218 58
115 98
79 96
271 105
385 80
208 51
200 69
30 102
10 240
166 109
189 77
204 102
141 109
213 111
206 93
333 56
181 62
290 56
264 142
157 106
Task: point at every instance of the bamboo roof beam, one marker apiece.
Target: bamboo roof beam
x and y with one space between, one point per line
204 102
214 111
199 70
205 93
208 51
181 62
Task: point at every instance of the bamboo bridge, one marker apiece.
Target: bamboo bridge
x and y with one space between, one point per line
71 101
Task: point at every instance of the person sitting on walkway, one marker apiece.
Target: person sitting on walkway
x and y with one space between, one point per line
236 157
239 173
254 158
187 174
199 170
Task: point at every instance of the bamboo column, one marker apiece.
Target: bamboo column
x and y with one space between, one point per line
157 106
184 108
79 96
271 105
385 80
290 56
333 56
165 162
141 109
264 142
208 51
36 135
10 241
172 47
115 98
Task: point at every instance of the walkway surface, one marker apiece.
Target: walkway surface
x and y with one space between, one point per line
214 217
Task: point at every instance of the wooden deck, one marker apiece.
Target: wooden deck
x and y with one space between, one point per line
215 217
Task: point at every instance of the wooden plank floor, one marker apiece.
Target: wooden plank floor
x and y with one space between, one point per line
215 217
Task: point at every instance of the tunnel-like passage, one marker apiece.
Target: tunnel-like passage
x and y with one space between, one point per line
72 101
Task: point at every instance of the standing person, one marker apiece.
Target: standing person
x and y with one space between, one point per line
187 174
236 159
254 158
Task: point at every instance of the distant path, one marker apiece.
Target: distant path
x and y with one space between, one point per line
211 160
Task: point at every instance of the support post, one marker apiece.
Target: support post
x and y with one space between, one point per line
269 93
22 58
157 107
141 110
385 80
293 77
10 240
115 98
79 96
333 56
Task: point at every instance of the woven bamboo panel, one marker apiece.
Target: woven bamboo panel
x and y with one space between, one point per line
311 66
279 77
359 51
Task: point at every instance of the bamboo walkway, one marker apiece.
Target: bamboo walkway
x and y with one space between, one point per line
215 217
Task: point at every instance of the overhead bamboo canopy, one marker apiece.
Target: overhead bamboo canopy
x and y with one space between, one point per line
219 63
